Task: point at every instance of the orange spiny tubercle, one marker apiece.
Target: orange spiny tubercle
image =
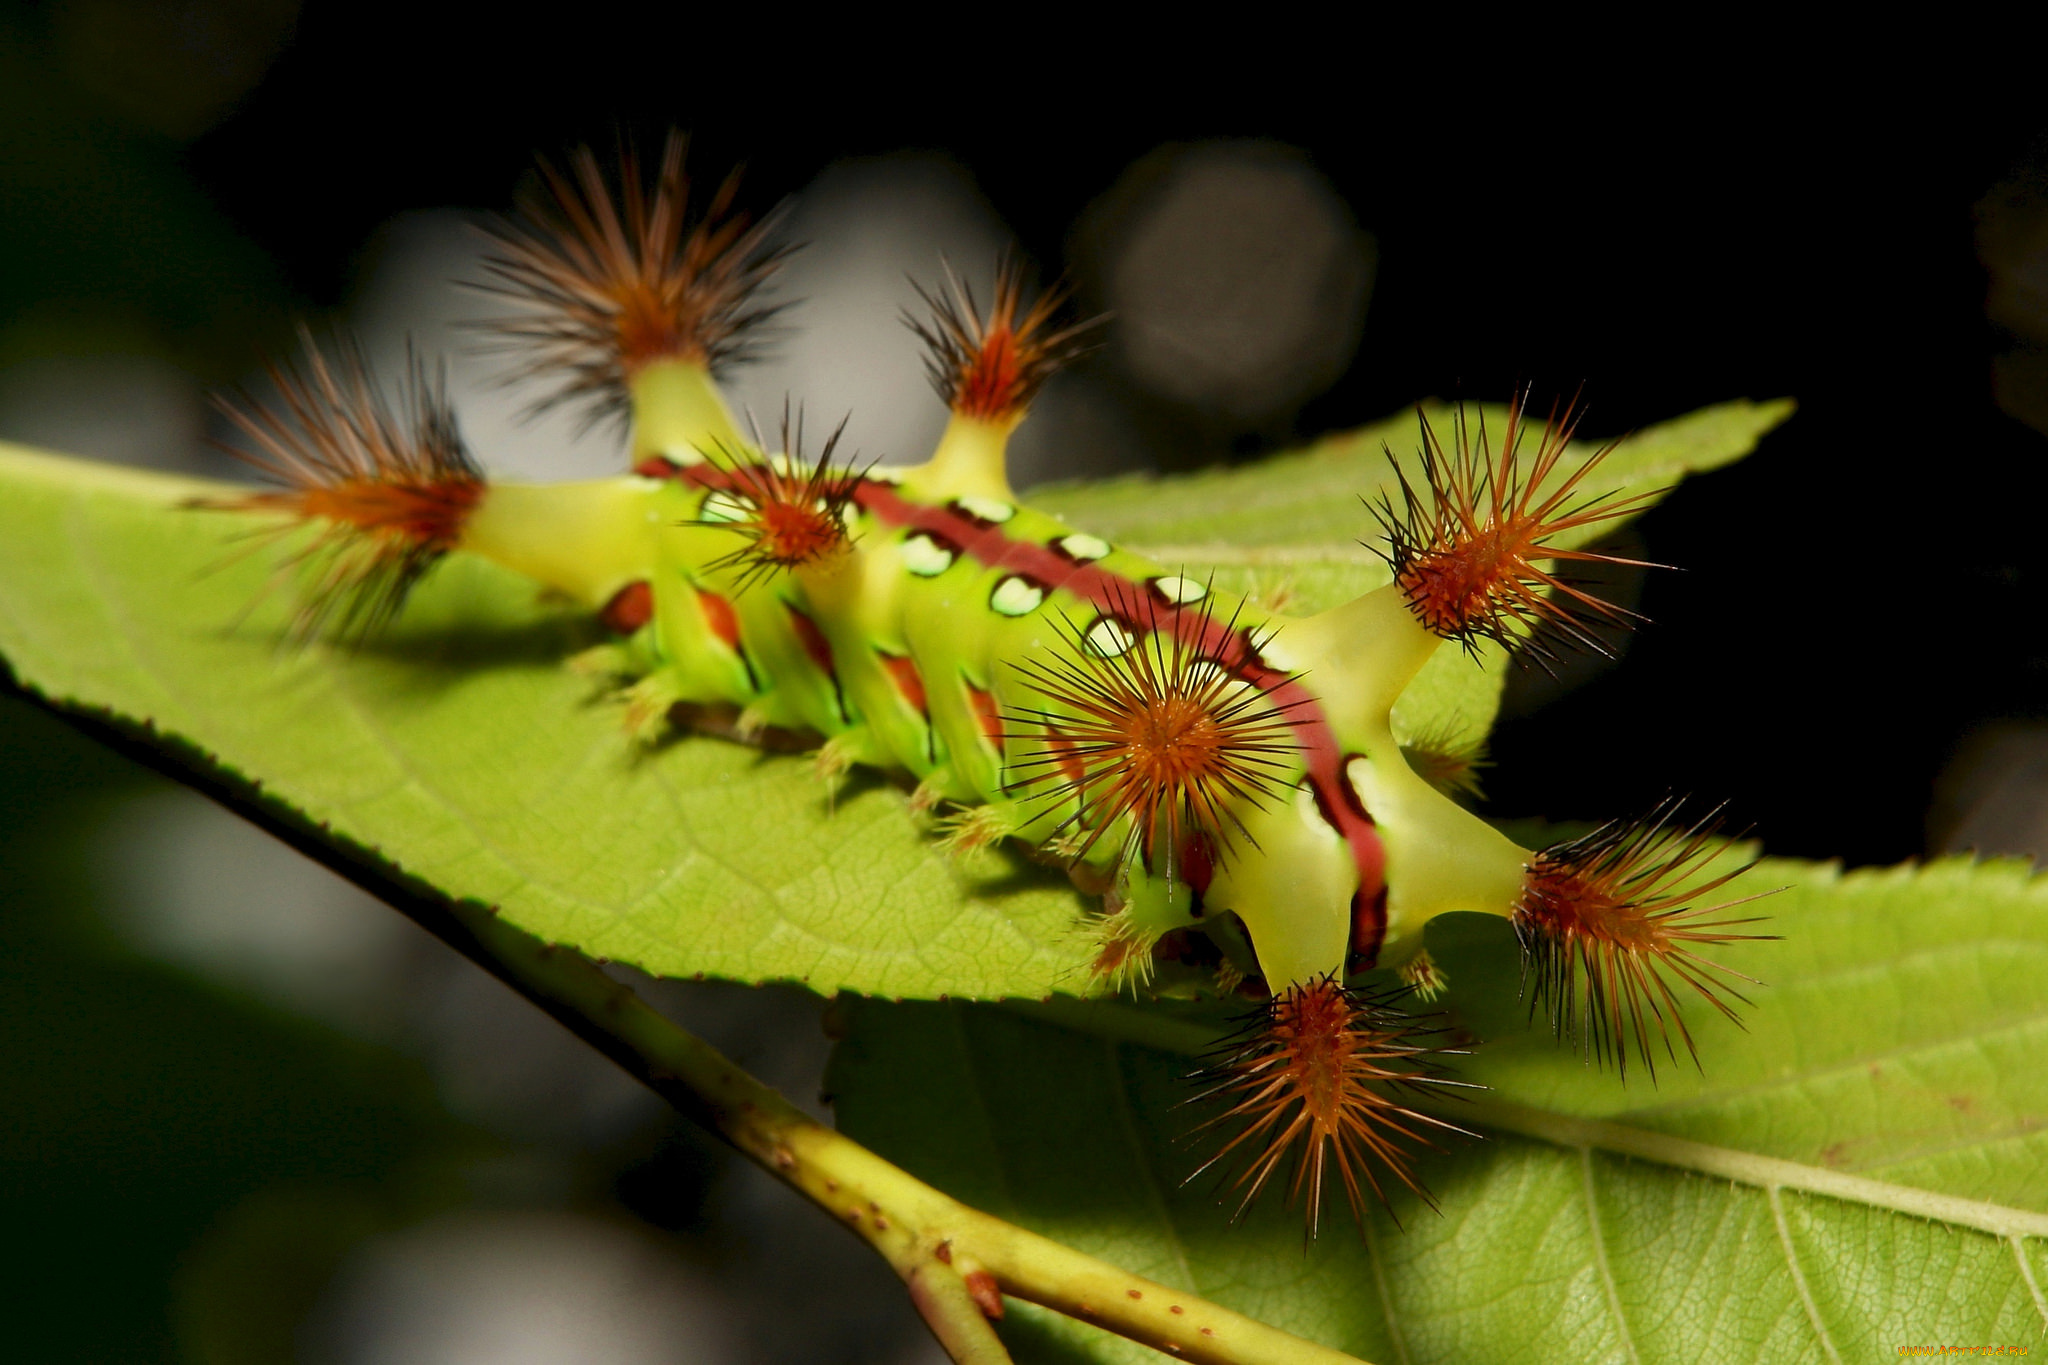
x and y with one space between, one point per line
1608 919
790 513
1317 1074
386 488
614 279
992 367
1467 547
1157 733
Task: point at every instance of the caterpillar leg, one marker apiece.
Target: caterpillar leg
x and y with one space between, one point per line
1423 978
649 702
969 831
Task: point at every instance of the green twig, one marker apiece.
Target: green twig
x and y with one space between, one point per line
957 1262
955 1259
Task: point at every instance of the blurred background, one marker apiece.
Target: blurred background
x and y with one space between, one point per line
248 1115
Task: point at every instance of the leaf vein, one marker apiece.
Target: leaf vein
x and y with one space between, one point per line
2019 1253
1628 1340
1799 1276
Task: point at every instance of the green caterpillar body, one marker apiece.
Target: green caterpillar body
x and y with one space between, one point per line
1210 767
913 650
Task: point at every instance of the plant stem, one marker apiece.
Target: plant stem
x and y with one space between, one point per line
954 1259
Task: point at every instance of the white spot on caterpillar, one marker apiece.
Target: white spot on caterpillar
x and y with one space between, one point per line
1016 596
1085 548
988 509
1358 772
886 473
720 505
640 483
683 454
779 463
1108 638
1311 813
925 557
1180 591
1278 657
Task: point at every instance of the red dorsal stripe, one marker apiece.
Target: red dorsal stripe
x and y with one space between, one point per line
1115 595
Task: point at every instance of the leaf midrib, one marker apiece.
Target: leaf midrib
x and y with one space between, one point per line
1571 1132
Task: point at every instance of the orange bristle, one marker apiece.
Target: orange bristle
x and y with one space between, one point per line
790 513
618 279
1607 919
1157 733
1467 548
389 489
992 367
1312 1077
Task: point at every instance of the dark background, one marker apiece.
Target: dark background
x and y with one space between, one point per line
1671 227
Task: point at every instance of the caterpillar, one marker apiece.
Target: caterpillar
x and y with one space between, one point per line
1220 773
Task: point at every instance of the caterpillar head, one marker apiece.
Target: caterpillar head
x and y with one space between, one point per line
385 487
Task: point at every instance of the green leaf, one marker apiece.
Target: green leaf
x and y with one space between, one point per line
1865 1169
456 750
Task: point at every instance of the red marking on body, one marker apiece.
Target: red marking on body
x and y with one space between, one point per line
719 616
1115 595
813 640
986 714
630 608
1198 861
1063 752
1368 928
908 680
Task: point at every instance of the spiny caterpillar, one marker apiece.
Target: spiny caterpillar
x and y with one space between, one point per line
1220 773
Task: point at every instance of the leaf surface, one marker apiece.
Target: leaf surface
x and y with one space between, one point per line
1866 1168
457 750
